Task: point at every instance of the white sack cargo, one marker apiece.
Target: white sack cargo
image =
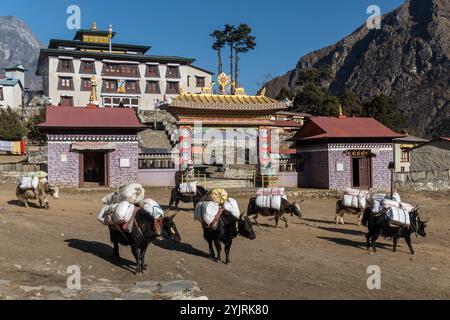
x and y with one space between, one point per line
152 207
407 206
399 216
387 204
122 212
232 206
29 183
206 211
188 187
353 198
269 202
132 193
377 200
104 216
111 198
271 192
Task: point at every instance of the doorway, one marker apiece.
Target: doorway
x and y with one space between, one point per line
361 173
93 170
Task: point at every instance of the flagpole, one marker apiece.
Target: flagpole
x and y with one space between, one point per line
110 31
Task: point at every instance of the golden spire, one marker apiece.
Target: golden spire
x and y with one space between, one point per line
93 97
263 92
94 26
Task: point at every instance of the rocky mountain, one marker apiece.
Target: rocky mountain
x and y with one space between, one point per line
407 60
19 45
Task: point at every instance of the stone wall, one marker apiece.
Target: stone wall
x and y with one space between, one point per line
339 180
381 176
119 176
63 173
423 180
313 173
432 157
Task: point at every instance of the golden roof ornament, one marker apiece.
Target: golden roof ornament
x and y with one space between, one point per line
208 90
238 91
223 81
94 26
93 97
263 92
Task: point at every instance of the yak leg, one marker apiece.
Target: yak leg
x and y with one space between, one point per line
276 220
285 221
116 254
25 202
219 250
336 218
142 257
227 252
256 221
395 240
408 242
211 250
359 219
136 254
368 236
374 242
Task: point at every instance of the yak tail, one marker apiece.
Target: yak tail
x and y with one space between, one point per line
366 216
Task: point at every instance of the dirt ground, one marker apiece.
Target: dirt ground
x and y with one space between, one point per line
312 259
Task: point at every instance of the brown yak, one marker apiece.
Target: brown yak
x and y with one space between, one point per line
43 190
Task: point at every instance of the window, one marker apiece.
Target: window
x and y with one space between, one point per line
200 82
111 69
87 67
110 86
85 84
132 87
124 70
173 72
65 84
173 88
66 101
65 65
153 87
405 155
109 102
129 70
152 71
1 93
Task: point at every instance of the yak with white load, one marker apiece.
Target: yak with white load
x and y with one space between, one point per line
272 203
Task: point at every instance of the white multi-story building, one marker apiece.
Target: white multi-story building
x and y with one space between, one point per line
126 75
11 87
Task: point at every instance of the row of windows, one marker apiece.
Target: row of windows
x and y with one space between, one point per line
123 70
115 86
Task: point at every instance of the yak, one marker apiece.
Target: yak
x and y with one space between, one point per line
379 225
285 208
228 228
141 235
43 190
341 210
176 196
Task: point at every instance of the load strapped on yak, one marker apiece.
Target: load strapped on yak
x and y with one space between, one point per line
396 211
270 198
32 180
209 211
121 206
355 199
189 188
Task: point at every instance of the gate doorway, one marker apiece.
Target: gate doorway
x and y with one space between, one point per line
93 170
361 173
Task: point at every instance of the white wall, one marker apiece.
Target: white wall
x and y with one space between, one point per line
12 97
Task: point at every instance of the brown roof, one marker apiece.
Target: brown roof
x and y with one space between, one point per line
226 102
286 123
342 127
96 118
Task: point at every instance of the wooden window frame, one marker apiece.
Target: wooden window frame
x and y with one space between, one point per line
83 81
61 85
84 70
149 74
64 105
148 87
63 68
405 156
128 90
109 90
197 84
177 91
176 74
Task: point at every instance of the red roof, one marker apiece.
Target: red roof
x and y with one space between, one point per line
95 118
333 127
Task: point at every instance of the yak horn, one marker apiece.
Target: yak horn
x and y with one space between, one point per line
242 215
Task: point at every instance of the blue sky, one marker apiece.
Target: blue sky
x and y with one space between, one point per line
285 29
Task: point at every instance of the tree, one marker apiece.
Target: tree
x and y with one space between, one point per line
229 32
244 42
316 101
382 109
11 127
33 133
351 104
284 94
218 45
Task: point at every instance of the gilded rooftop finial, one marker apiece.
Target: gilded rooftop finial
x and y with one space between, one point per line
94 26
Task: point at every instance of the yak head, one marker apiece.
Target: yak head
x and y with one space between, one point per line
294 208
245 227
418 224
169 229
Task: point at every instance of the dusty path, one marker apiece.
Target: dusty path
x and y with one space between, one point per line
312 259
